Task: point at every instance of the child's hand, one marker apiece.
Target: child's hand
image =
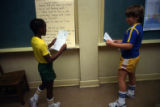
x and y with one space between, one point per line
110 43
54 40
52 43
63 48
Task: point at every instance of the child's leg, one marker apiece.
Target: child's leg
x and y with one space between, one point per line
50 92
122 86
122 74
50 97
132 84
38 91
122 80
34 99
43 86
132 79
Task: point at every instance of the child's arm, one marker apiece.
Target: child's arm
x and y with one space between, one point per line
51 58
131 39
126 46
117 41
52 43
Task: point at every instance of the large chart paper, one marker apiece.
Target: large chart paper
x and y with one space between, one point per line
59 15
152 15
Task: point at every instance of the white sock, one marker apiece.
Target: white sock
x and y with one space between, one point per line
36 95
131 89
50 101
122 97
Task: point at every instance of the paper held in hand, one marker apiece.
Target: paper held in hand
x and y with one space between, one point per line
107 37
61 40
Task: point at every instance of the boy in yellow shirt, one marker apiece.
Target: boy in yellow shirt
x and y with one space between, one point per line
45 59
129 46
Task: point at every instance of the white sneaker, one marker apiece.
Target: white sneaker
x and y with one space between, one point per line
130 96
33 102
57 104
116 104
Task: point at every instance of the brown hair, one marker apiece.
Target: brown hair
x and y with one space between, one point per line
136 11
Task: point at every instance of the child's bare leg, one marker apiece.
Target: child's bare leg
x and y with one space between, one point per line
50 97
42 86
132 79
50 90
34 99
122 74
132 85
122 86
122 80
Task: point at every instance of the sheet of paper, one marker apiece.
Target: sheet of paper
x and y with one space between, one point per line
107 37
61 40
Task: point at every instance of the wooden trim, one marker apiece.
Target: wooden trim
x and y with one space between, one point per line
101 20
23 49
139 77
150 41
96 83
144 42
58 83
76 22
89 83
27 49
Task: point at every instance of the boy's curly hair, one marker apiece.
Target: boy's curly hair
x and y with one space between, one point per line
136 11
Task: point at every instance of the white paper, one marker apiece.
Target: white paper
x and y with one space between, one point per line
61 40
107 37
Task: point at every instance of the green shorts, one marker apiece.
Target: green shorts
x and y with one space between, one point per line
46 72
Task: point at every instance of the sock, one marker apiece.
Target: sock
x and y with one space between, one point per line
50 101
37 93
122 97
131 89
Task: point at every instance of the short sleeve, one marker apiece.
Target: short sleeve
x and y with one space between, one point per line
44 50
132 35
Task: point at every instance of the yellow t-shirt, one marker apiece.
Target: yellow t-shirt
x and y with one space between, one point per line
40 49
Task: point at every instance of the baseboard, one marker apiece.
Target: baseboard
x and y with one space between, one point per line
111 79
72 82
140 77
95 83
89 83
57 83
